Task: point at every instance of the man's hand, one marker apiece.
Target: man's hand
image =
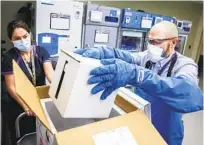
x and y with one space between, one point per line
106 53
115 74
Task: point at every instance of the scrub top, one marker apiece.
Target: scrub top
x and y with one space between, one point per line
41 56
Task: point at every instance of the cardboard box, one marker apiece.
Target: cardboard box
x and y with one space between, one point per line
70 91
57 123
133 125
130 97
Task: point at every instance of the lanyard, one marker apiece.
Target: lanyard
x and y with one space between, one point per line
172 62
32 73
149 65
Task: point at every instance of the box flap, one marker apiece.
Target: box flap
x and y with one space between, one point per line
125 104
140 127
43 92
124 96
28 93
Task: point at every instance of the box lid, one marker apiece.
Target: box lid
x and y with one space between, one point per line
29 94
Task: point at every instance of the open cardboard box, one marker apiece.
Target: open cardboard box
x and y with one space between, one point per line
135 127
57 123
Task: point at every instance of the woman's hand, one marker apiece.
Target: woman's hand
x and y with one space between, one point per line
28 111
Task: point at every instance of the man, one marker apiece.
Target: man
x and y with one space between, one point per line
165 78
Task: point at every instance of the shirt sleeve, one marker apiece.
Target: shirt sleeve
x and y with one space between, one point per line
188 71
7 67
44 55
181 91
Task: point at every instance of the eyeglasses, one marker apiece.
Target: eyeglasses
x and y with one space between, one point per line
158 41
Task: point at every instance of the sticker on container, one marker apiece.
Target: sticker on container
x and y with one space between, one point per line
99 45
128 13
119 136
113 13
146 22
118 12
46 39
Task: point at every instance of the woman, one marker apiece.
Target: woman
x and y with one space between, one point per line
35 63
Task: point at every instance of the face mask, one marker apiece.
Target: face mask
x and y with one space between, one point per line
155 53
22 45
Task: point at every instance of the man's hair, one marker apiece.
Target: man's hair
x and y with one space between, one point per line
16 24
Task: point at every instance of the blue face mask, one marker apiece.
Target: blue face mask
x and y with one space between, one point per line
22 45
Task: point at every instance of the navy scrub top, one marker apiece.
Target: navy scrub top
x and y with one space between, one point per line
41 56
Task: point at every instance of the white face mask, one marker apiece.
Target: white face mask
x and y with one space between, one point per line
155 53
22 45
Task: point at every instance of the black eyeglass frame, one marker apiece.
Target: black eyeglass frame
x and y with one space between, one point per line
158 41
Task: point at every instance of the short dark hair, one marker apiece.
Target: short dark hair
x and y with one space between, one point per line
16 24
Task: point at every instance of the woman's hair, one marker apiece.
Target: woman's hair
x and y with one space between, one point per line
16 24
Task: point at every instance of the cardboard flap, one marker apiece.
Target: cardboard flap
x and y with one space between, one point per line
43 92
28 93
125 105
140 127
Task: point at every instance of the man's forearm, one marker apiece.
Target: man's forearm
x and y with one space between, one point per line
180 93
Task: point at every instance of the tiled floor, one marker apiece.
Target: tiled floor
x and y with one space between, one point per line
193 125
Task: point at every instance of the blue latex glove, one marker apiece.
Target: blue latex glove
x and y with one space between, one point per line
115 74
106 53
